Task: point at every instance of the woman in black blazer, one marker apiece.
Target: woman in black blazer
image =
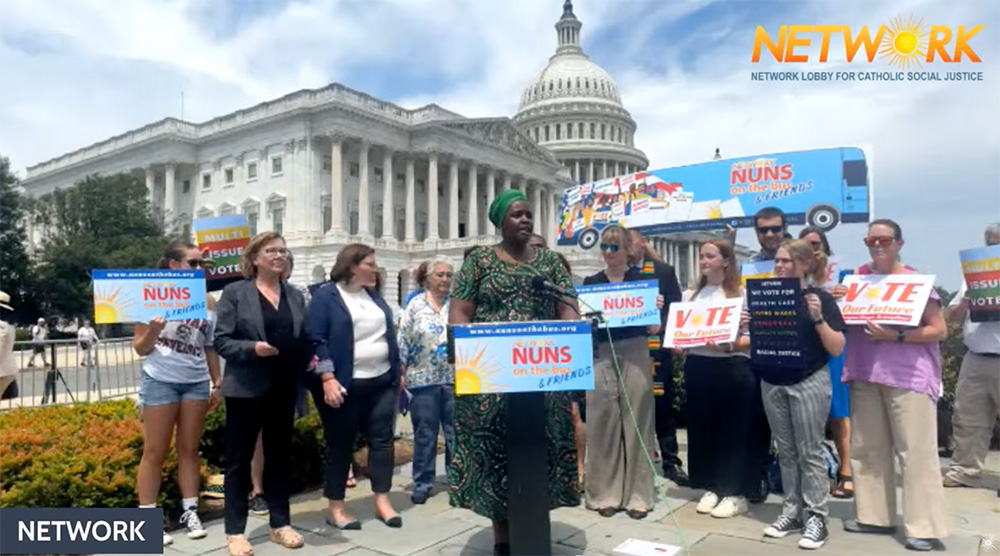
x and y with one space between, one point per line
359 377
262 335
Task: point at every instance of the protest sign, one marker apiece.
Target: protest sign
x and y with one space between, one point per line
696 323
760 269
981 267
222 239
774 305
129 296
624 303
542 356
886 299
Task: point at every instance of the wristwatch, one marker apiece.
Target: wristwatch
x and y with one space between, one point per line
900 337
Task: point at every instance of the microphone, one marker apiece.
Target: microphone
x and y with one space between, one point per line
540 283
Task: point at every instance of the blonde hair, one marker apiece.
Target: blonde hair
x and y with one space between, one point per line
813 260
617 234
731 279
250 252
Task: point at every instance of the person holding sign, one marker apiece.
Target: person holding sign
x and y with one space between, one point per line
977 396
180 384
495 285
727 429
797 397
263 336
895 378
621 404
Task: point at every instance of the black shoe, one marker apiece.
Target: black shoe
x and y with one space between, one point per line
419 497
760 495
815 535
638 514
395 521
923 545
348 526
607 512
853 526
258 506
782 527
676 474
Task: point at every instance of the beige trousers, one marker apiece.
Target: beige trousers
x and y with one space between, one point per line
888 422
618 472
977 406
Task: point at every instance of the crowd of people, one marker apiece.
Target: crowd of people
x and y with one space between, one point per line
871 389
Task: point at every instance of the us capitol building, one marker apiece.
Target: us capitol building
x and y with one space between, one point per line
332 166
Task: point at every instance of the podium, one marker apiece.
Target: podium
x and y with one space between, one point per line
533 358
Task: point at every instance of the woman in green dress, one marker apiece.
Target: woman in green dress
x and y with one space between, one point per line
495 285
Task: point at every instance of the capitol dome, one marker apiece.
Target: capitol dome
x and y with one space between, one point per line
573 108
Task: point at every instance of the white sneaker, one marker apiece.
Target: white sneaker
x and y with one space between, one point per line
708 502
167 539
731 506
195 530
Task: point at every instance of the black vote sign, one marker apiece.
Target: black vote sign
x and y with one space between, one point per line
775 338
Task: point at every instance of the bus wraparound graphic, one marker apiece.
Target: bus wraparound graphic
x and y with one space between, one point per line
821 188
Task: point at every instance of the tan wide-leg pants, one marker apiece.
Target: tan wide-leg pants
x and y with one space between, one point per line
888 422
977 406
618 472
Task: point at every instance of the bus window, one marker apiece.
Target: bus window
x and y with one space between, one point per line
856 173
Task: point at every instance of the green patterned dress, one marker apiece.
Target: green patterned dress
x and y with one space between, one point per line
502 291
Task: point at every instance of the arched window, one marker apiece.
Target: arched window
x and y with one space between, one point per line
546 133
603 135
558 132
579 129
569 131
593 128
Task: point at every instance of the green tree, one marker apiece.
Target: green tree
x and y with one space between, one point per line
15 265
101 222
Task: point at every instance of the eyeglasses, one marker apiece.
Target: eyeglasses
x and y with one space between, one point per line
275 252
764 230
879 241
610 247
194 263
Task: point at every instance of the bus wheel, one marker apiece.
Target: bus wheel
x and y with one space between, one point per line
824 217
588 238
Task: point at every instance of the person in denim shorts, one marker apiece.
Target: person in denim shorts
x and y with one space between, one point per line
180 384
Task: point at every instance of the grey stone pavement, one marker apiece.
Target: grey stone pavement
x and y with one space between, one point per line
436 528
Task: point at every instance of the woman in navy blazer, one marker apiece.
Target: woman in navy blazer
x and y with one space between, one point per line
359 377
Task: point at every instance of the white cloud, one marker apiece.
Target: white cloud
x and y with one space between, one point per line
101 67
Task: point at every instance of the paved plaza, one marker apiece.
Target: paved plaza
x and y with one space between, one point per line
437 529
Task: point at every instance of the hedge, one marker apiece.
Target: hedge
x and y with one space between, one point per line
81 456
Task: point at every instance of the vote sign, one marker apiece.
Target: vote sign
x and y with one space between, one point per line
697 323
886 299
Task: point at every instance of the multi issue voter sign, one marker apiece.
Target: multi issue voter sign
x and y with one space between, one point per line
81 531
539 356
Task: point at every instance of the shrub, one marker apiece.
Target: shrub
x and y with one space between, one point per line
80 456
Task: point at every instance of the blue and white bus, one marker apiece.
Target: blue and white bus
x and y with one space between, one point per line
821 188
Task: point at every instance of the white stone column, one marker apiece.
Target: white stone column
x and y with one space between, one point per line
472 220
150 189
491 186
170 197
590 177
605 176
506 182
388 208
364 207
536 207
553 218
692 261
453 199
336 184
432 196
411 200
522 184
576 172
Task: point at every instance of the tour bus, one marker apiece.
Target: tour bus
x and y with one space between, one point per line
821 188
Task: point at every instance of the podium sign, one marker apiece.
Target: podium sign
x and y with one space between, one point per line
539 356
623 303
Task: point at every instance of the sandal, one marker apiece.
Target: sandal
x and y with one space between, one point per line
239 546
842 490
351 481
286 537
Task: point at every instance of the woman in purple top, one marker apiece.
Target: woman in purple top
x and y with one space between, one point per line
895 378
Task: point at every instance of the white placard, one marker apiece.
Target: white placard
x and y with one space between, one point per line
696 323
636 547
886 299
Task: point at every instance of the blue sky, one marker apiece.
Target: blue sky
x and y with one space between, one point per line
79 71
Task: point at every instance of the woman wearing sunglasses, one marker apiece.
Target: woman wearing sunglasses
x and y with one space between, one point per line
895 378
621 403
180 384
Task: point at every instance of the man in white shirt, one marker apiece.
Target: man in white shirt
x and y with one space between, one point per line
86 336
977 397
39 333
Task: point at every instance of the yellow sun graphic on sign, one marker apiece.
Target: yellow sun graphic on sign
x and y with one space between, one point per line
475 375
714 212
111 307
873 293
697 319
905 42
